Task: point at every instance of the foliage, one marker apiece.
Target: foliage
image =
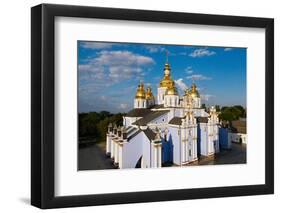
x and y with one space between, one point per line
94 124
232 113
203 106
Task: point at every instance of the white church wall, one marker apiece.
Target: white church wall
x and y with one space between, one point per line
200 113
147 154
204 139
171 101
127 121
140 103
194 143
210 140
132 151
171 114
179 112
161 94
216 132
173 135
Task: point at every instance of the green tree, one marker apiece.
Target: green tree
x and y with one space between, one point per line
203 106
232 113
94 125
217 107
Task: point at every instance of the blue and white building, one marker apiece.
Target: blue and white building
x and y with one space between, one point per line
168 129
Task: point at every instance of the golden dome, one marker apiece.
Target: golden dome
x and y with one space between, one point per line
167 80
140 91
171 91
148 94
193 92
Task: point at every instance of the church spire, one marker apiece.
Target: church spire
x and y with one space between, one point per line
167 80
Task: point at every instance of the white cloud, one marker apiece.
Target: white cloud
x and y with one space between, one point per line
125 58
123 106
114 66
181 84
154 48
103 98
206 97
96 45
201 52
189 70
198 77
227 49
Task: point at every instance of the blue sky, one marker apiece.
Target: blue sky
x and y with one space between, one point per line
110 72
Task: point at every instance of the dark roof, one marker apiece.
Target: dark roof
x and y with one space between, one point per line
134 134
138 112
175 120
149 117
149 134
157 106
202 119
239 126
130 130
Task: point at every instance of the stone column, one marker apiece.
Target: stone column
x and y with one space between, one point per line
108 140
112 148
183 151
116 152
186 150
159 156
184 139
120 156
155 156
195 143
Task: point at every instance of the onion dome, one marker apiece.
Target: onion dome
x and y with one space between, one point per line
148 94
171 91
193 92
167 80
140 91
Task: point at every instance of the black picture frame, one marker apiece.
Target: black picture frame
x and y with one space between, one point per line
43 114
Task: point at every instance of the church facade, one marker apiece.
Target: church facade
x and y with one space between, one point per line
168 129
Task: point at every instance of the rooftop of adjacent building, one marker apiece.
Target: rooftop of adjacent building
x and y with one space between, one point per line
239 126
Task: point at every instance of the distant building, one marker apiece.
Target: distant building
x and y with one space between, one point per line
166 129
238 133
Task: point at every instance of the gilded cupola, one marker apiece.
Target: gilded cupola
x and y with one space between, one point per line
171 91
148 94
140 91
193 92
167 81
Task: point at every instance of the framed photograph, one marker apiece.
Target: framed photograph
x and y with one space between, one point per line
140 106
